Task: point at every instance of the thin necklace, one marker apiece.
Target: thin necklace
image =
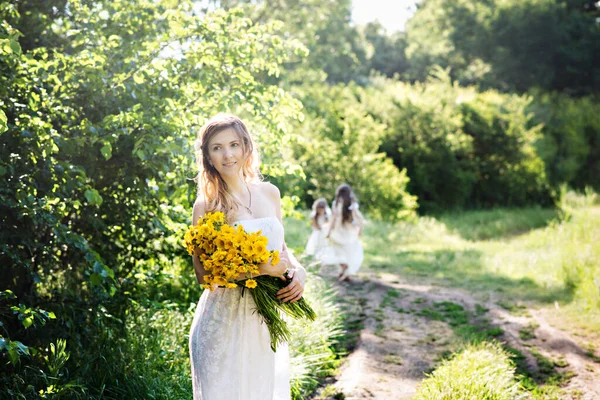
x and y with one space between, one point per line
250 202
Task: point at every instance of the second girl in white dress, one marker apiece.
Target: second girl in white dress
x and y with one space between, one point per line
344 233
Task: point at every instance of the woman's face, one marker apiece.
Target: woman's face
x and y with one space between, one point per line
226 153
320 210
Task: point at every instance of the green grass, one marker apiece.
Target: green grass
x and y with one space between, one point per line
312 349
497 223
559 261
479 371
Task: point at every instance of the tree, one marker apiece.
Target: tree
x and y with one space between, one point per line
388 51
335 46
546 44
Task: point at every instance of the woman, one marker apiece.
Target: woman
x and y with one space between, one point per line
230 349
344 233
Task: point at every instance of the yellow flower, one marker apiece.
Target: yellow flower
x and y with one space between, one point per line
275 260
260 248
248 250
218 216
219 281
239 238
251 283
230 285
227 230
209 247
204 230
228 243
208 264
219 242
219 255
264 258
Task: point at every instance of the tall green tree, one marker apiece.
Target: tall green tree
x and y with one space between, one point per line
335 46
548 44
388 51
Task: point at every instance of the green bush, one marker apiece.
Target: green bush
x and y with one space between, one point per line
570 146
424 136
462 148
509 171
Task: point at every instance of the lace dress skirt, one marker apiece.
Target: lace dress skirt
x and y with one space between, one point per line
230 351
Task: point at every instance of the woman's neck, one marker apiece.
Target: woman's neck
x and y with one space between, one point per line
236 186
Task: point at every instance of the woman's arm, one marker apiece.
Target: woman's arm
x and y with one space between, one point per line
294 290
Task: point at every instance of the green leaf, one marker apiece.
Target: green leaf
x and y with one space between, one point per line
93 197
98 268
106 151
27 322
138 79
108 272
95 279
3 122
7 294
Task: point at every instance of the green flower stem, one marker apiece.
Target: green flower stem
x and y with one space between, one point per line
271 309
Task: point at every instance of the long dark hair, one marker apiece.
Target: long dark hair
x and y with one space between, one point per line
345 196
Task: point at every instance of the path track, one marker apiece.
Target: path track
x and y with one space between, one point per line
398 345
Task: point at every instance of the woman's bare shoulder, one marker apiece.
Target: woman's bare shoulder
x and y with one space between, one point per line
268 189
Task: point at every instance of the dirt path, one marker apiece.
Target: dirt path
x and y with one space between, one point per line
403 330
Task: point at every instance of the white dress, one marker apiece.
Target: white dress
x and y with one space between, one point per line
317 242
230 347
345 246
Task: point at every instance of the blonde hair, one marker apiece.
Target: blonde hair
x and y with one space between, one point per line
211 186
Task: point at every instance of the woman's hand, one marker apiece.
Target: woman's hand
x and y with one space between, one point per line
276 270
294 290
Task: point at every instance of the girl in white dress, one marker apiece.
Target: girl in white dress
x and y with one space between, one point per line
319 218
344 234
230 351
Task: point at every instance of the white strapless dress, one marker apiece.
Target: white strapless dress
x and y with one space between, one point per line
230 347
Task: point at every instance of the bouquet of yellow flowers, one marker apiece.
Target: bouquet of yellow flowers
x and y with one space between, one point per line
231 257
